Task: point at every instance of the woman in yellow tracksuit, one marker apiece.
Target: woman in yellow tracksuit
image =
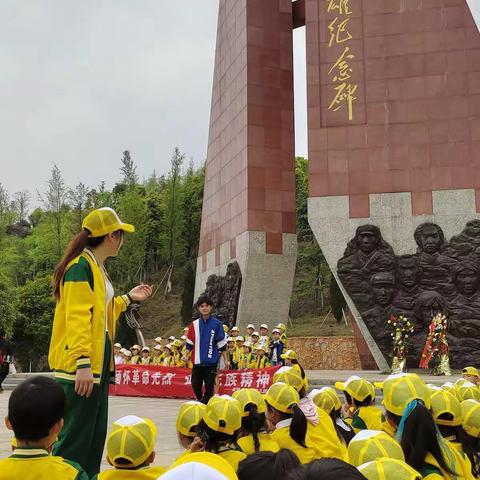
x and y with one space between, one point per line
83 331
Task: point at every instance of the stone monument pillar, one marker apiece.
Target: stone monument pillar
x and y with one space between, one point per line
249 213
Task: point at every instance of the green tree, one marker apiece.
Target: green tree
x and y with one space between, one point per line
188 292
8 311
33 328
129 170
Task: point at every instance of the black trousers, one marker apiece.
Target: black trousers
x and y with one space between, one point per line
203 375
3 375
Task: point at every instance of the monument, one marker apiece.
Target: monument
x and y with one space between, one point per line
394 161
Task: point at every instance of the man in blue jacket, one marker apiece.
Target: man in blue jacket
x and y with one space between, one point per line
206 342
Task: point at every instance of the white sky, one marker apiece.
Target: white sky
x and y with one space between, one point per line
475 9
84 80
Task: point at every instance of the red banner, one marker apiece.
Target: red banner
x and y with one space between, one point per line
172 382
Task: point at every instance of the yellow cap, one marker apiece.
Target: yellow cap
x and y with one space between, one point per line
400 389
250 396
290 376
200 465
289 355
459 382
326 398
225 328
388 469
282 326
177 343
358 388
468 391
449 387
471 417
103 221
131 438
223 414
470 371
282 397
368 445
189 416
445 402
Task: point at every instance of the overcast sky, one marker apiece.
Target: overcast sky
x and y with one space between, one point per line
84 80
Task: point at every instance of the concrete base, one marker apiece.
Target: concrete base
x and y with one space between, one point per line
329 218
267 279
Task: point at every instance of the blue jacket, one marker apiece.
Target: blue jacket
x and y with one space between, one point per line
278 346
206 339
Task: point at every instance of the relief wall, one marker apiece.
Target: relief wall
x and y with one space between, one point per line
441 276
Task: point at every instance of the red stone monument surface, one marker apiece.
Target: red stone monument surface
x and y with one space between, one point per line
394 139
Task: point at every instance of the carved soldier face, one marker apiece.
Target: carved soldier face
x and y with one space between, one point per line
430 240
383 293
367 242
467 282
408 272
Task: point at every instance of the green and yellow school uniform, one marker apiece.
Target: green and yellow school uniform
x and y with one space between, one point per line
82 336
232 456
284 339
37 464
461 466
367 418
263 362
244 361
296 366
146 473
267 444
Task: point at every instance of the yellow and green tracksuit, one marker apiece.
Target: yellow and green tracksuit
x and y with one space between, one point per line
262 362
284 339
82 336
146 473
244 361
267 444
37 464
367 418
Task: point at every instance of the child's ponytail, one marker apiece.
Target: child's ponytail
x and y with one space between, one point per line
298 427
254 423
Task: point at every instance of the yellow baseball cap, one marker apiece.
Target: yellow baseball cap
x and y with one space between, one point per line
250 396
459 382
368 445
400 389
290 376
103 221
470 371
282 397
326 398
445 402
177 343
189 416
468 391
225 328
131 438
449 387
358 388
200 466
223 414
282 326
471 417
388 469
289 355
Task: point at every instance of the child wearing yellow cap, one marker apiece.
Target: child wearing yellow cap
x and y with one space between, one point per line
285 414
217 432
145 360
135 359
407 401
168 358
291 360
327 399
470 374
157 355
253 436
283 334
131 450
245 358
320 427
261 359
35 414
360 398
471 427
189 416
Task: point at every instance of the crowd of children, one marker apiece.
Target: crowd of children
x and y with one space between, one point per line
256 349
423 431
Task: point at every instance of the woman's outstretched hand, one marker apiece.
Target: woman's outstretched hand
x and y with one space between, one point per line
141 292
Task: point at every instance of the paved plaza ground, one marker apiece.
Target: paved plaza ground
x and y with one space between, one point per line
162 411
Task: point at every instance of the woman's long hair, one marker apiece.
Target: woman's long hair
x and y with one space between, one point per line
73 250
253 424
419 437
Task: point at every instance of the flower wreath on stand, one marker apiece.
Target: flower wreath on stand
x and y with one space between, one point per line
401 328
436 347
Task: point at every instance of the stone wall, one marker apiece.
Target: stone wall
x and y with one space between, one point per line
326 353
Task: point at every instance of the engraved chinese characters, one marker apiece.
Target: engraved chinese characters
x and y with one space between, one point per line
442 277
